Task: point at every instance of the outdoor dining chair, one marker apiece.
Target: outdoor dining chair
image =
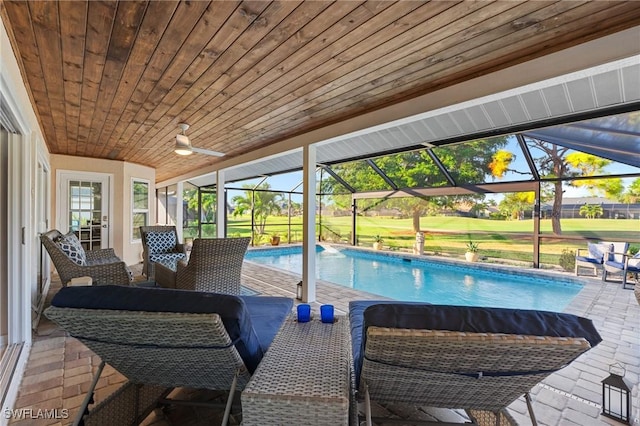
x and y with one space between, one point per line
622 263
591 257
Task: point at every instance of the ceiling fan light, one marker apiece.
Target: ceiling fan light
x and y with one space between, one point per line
183 145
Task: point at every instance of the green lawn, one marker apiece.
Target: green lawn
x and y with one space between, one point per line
448 235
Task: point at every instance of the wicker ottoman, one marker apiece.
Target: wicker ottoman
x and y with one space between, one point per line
304 378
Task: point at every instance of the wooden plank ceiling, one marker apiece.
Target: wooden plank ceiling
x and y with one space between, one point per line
114 79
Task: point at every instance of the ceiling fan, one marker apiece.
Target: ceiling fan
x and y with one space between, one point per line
183 144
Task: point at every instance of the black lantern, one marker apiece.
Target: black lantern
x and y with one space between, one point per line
616 396
299 291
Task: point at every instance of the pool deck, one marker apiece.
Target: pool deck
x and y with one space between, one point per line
60 368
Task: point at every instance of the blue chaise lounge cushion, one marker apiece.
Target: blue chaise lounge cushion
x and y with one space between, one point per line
251 322
466 319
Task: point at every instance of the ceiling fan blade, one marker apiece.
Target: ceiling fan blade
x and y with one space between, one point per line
207 152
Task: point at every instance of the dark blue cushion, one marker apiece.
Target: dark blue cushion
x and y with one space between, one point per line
233 310
474 320
267 315
617 265
356 318
589 259
620 265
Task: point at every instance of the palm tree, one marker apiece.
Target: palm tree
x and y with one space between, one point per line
591 211
261 202
631 195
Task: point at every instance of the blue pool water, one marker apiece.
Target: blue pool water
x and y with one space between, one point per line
426 280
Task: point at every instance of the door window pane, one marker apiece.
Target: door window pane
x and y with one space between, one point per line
140 204
85 204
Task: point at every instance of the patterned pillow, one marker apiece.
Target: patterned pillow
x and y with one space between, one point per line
71 246
161 242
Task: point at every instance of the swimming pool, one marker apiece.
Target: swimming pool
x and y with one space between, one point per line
417 279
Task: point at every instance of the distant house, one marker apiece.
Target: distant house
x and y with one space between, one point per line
611 209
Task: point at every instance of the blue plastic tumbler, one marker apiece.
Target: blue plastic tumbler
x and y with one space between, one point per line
304 312
326 313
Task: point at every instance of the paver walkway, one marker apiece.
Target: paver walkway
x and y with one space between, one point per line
60 368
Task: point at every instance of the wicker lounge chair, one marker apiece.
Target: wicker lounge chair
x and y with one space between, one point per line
160 245
215 265
72 261
477 359
160 339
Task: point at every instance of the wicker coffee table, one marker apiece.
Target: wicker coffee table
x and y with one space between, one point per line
304 378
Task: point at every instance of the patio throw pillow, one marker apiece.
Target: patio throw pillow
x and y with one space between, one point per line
595 252
161 242
71 246
634 262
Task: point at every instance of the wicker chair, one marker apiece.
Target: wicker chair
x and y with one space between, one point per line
481 372
103 266
162 339
215 265
163 254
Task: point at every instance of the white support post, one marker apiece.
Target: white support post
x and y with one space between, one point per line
309 224
221 208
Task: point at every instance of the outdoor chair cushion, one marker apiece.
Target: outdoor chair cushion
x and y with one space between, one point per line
596 252
356 319
167 259
465 319
236 312
71 246
161 242
261 310
616 252
631 267
589 260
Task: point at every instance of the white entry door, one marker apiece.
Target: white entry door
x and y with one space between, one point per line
84 207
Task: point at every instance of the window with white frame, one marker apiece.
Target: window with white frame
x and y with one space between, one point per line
140 206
